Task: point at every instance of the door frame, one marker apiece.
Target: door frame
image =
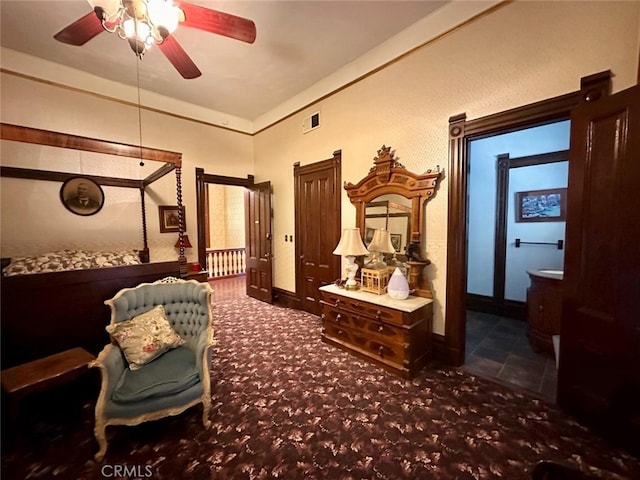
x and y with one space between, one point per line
461 132
202 179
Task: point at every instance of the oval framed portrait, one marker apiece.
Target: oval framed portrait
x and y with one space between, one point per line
82 196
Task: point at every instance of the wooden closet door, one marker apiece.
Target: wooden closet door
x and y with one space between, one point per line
599 370
317 213
257 206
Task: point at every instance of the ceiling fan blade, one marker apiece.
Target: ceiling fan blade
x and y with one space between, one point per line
218 22
81 31
179 58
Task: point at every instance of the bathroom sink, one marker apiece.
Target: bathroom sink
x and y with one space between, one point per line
551 271
548 273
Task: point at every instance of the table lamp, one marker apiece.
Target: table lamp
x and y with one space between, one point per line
185 241
351 246
380 244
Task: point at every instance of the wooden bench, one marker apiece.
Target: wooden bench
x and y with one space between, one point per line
41 374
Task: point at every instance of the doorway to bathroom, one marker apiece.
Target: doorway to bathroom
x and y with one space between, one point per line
517 189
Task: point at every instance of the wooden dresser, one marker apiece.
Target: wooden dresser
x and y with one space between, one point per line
394 334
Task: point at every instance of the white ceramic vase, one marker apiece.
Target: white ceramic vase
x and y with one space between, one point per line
398 287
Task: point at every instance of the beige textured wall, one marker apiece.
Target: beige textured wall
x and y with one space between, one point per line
521 53
234 206
226 216
217 217
34 104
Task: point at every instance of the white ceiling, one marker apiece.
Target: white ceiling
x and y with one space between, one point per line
298 43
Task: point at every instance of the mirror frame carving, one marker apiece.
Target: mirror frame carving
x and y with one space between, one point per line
389 176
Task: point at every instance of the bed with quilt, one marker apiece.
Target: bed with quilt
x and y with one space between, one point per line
55 301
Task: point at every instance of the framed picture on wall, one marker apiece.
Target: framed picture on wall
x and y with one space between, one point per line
541 205
82 196
396 241
169 219
368 235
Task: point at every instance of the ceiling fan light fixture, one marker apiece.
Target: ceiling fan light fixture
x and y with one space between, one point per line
163 14
145 22
138 33
136 28
141 22
138 47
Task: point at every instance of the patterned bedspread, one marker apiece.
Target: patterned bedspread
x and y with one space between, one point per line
70 260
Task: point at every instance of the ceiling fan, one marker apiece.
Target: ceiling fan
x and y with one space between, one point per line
147 22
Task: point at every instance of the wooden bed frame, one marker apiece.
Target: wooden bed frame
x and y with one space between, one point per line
46 313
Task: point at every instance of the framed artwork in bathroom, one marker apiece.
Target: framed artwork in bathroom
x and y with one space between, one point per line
541 205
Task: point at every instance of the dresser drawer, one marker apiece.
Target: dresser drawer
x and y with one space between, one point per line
345 318
365 309
374 347
378 330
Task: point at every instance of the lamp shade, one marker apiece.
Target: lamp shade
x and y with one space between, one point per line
185 240
381 242
351 244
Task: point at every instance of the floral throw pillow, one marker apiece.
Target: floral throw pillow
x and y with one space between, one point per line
145 337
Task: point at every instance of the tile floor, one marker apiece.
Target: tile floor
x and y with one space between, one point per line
498 348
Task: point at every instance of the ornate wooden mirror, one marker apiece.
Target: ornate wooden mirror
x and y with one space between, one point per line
393 198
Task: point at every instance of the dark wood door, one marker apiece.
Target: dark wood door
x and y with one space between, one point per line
599 373
317 211
257 205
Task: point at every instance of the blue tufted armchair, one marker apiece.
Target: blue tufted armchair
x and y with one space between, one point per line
169 384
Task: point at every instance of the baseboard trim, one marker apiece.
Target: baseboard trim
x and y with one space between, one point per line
286 299
504 308
443 352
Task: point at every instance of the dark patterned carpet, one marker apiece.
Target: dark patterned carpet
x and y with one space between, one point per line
287 406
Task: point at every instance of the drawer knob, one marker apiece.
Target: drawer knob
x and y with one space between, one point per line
340 332
378 314
380 328
338 318
381 351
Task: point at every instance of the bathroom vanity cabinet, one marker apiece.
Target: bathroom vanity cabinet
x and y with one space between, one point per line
544 309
